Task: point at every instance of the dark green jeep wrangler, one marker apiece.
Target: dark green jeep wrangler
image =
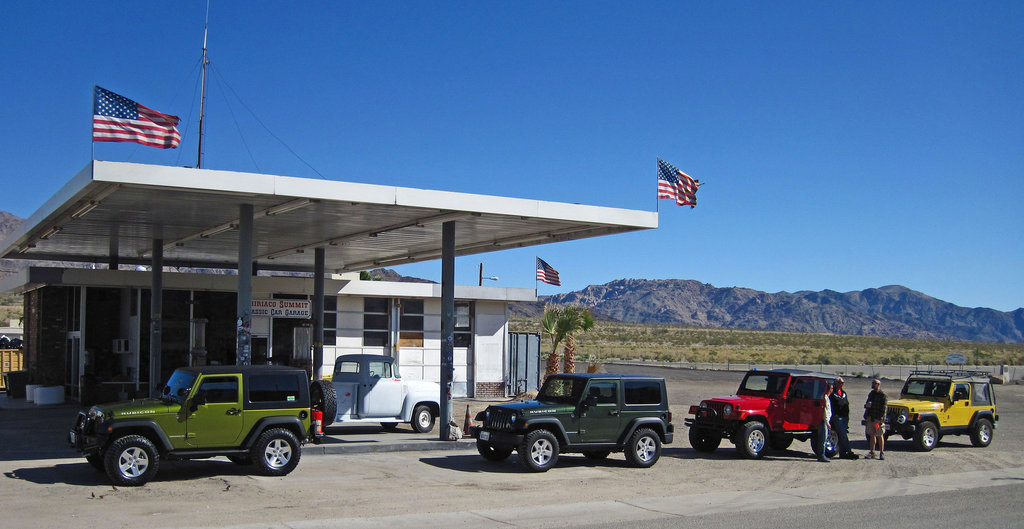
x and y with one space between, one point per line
595 414
251 414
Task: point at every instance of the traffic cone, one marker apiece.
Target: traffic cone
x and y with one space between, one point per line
468 424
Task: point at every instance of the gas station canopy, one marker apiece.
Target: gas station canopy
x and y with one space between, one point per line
114 213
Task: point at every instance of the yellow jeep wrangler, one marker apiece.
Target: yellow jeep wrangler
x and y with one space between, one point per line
937 403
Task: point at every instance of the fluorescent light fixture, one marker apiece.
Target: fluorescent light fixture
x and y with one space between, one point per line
84 209
26 248
287 206
286 253
218 230
51 232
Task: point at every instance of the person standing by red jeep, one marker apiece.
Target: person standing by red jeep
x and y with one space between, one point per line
841 419
874 419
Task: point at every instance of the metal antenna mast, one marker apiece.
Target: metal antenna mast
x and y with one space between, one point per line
202 96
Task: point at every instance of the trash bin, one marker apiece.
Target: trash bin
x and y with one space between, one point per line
16 382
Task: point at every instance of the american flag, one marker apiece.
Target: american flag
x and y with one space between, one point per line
547 274
677 185
117 118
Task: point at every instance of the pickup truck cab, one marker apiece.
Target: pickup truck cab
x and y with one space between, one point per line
370 390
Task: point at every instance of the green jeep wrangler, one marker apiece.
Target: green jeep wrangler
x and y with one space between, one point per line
595 414
251 414
937 403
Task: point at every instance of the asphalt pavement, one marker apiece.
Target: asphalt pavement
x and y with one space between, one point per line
30 431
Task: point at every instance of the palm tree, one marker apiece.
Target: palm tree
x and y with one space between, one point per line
577 320
551 325
563 323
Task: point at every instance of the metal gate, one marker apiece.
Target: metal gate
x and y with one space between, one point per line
523 363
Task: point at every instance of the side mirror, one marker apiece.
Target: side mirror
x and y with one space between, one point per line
166 390
197 401
590 401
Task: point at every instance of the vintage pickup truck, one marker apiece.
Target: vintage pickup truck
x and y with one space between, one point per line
370 390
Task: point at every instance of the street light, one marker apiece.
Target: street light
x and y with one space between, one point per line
492 278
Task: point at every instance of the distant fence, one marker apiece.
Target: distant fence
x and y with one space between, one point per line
897 372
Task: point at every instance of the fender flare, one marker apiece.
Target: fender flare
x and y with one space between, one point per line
549 424
156 433
981 414
636 424
291 422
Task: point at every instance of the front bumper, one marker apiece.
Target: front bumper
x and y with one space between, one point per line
82 436
496 437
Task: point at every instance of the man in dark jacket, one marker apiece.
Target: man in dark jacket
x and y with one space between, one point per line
841 419
874 419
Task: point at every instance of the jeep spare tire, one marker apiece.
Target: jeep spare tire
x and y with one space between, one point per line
324 398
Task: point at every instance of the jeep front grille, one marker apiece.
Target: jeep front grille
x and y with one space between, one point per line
498 419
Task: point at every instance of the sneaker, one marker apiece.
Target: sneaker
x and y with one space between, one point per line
881 455
871 455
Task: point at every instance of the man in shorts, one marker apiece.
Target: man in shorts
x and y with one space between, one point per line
874 419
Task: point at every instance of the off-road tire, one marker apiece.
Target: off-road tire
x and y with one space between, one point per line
644 448
752 440
926 437
981 433
276 452
704 439
422 419
96 461
131 461
596 455
491 452
780 441
323 397
539 451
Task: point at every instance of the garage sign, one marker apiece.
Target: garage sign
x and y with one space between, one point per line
282 308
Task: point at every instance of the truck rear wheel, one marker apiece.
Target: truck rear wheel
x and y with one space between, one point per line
644 448
422 419
981 434
276 452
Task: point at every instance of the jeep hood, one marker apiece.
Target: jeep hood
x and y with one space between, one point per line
916 405
744 402
536 407
138 408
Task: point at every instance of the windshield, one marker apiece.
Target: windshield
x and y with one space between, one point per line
178 386
564 390
764 383
927 388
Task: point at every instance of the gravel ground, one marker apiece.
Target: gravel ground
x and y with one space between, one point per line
68 492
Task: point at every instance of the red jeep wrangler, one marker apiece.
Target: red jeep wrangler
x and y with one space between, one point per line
771 408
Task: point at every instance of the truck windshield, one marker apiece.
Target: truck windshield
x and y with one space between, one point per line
926 388
764 383
564 390
178 386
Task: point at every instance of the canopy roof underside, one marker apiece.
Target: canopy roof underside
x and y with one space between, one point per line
120 209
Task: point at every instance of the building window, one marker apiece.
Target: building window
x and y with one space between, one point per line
410 331
375 322
463 324
330 320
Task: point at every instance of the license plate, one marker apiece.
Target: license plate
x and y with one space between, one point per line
485 436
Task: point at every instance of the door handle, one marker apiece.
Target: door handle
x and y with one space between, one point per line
613 412
233 411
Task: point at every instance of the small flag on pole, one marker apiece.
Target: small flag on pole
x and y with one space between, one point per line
547 274
117 118
677 185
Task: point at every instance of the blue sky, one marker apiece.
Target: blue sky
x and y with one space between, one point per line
843 145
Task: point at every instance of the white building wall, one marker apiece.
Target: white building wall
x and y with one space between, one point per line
491 334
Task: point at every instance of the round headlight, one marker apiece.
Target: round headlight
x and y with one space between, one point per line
901 418
513 418
704 405
95 414
727 409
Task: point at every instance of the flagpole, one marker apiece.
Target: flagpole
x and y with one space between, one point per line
202 96
92 139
